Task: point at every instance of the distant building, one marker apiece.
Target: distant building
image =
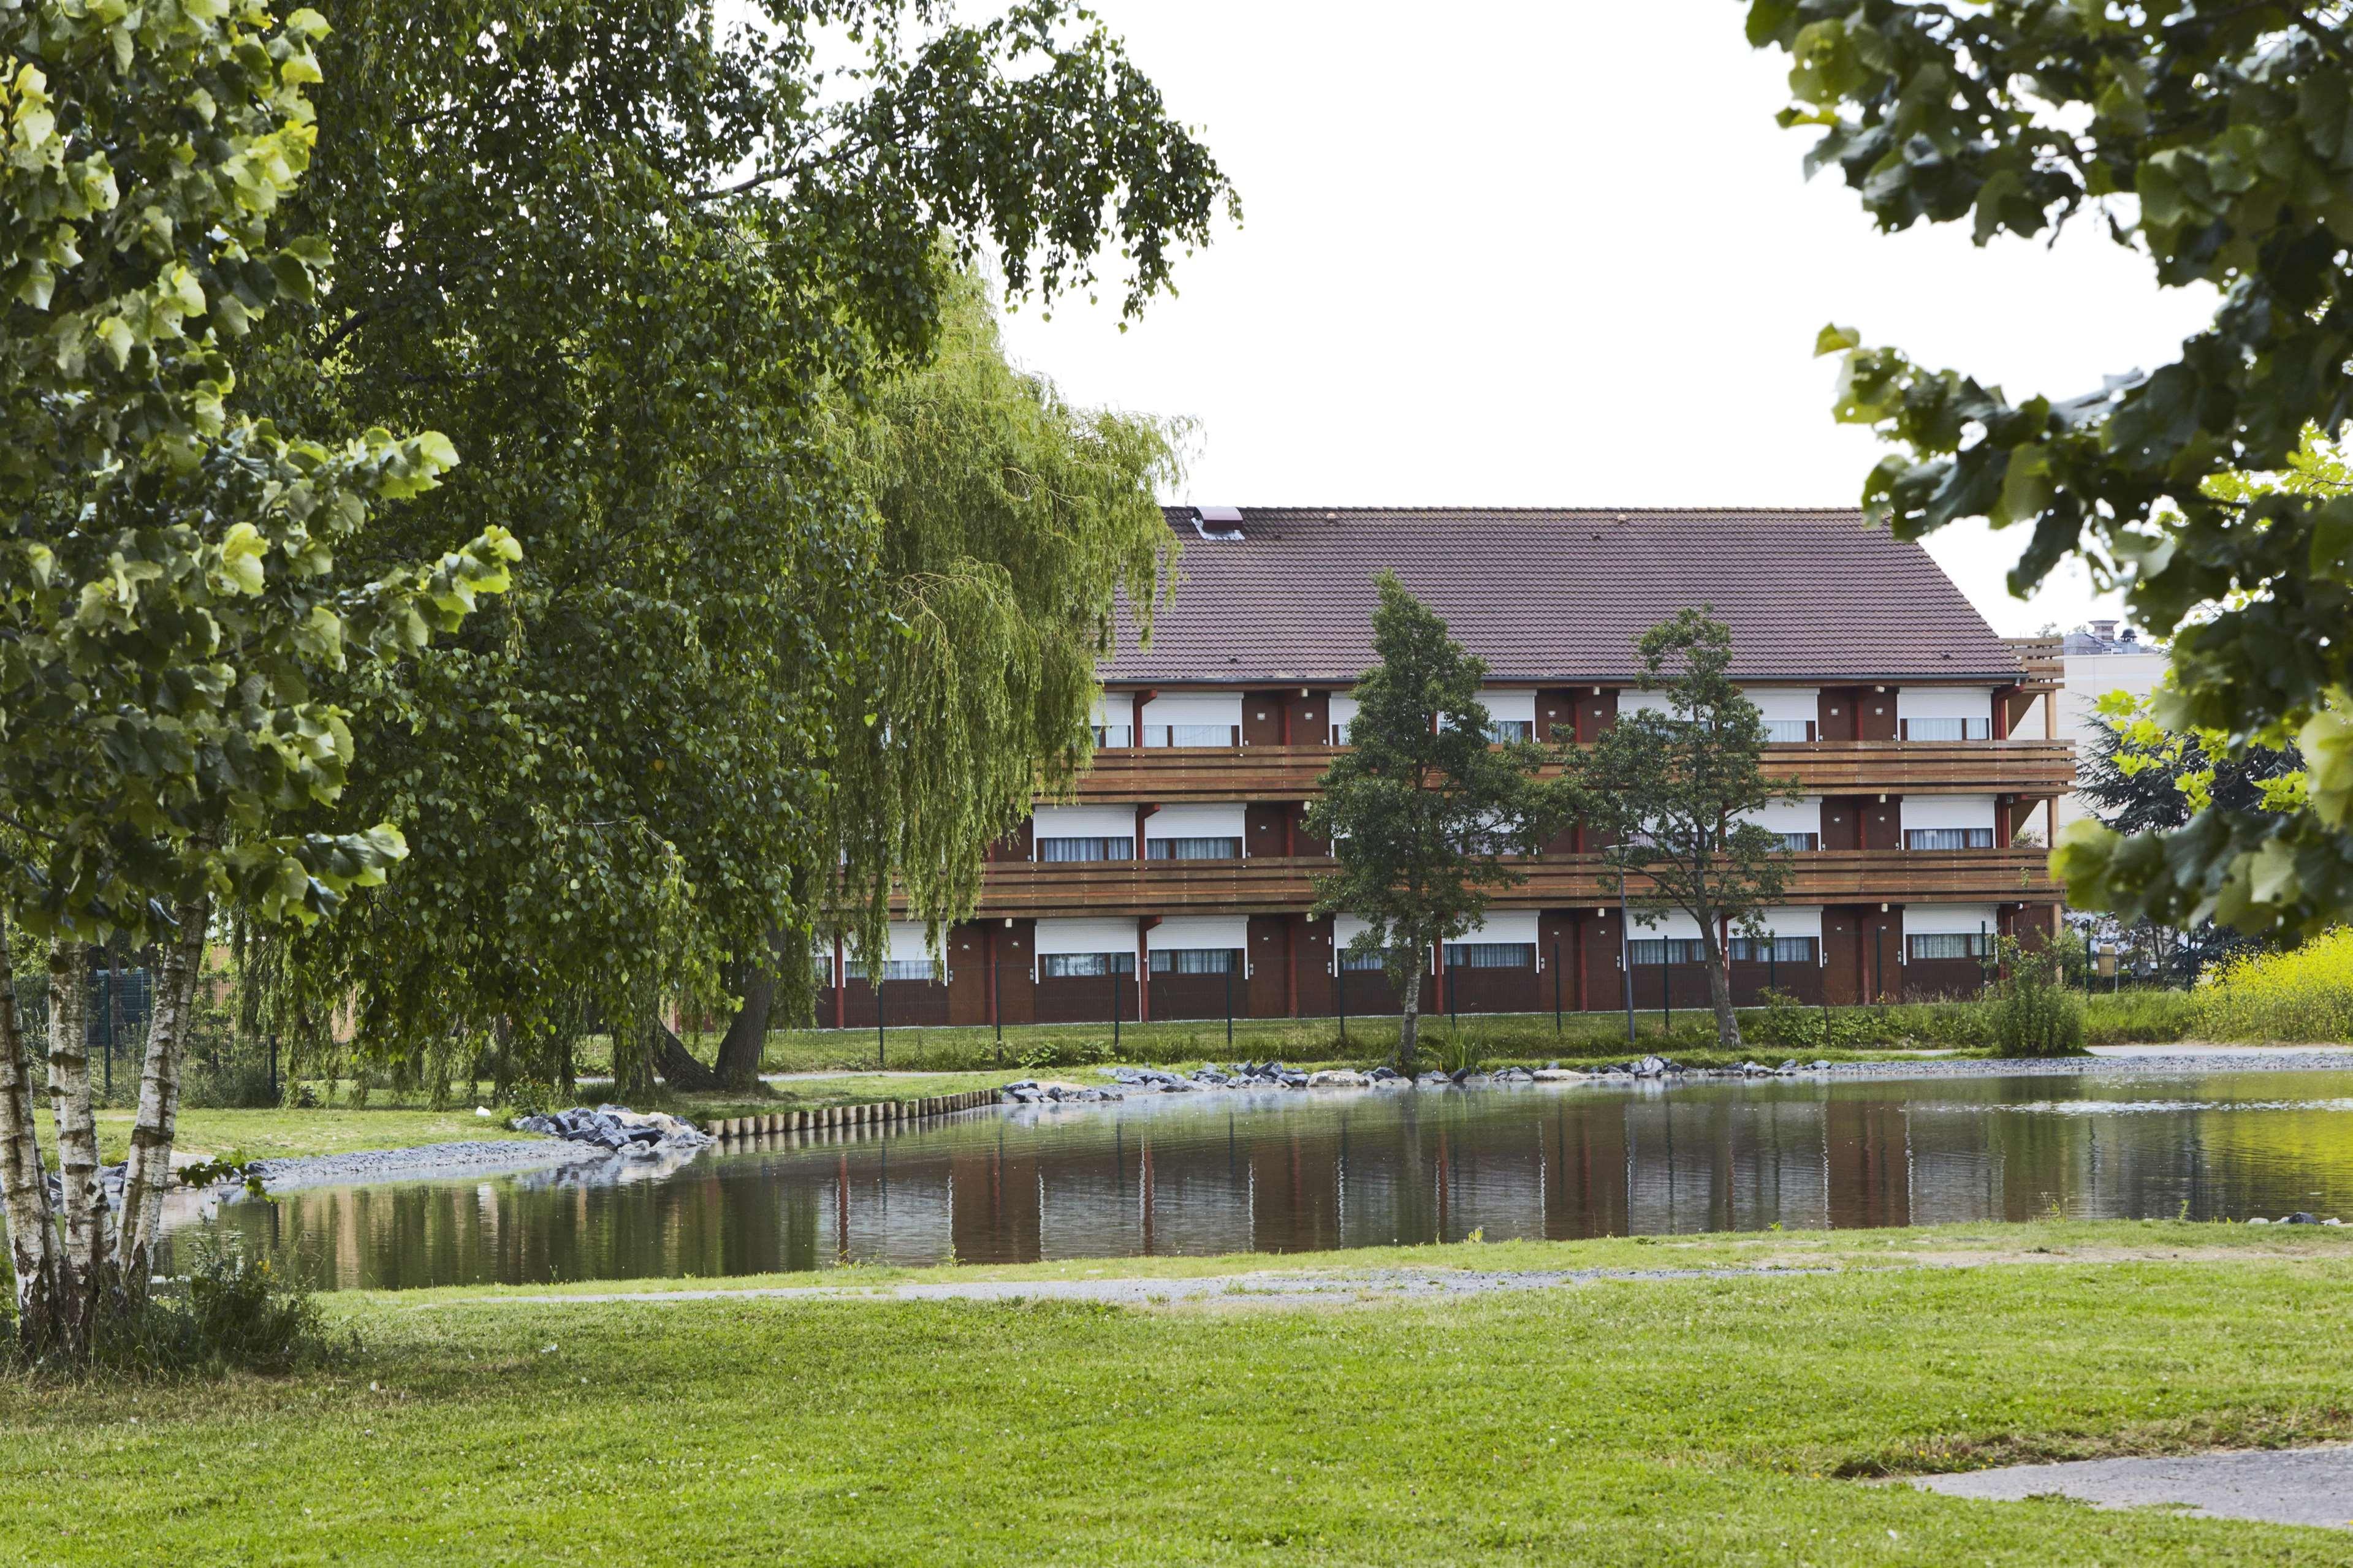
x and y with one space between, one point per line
1178 880
2095 660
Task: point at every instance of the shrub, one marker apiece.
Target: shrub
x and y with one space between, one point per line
2305 995
229 1311
2036 1014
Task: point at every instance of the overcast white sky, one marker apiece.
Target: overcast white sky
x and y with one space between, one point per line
1486 258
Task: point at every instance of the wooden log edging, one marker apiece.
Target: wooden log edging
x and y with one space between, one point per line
853 1119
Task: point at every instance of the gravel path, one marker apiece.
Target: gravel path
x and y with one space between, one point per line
430 1161
1262 1288
2286 1486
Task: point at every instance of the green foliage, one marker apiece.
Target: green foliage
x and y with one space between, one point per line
1009 521
665 263
1422 808
2225 127
229 1313
2036 1013
177 580
235 1165
2302 995
1673 792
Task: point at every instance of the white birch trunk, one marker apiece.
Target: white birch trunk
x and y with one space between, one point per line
24 1191
148 1175
86 1258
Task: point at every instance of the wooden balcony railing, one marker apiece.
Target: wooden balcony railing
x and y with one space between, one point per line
2034 768
1278 884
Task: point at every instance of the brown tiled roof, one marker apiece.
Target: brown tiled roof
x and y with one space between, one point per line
1545 595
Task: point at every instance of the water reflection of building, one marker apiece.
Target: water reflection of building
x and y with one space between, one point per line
1237 1173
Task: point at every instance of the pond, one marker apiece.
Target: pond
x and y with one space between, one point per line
1301 1171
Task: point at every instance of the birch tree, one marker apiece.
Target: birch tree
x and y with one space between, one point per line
172 602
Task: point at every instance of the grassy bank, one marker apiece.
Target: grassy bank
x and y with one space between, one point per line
1844 1034
1636 1421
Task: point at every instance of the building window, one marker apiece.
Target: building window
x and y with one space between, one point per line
1491 955
896 969
1773 950
1799 842
1086 848
1192 735
1358 963
822 968
1196 961
1504 732
1083 965
1948 839
1114 735
1949 728
1340 733
1666 949
1951 944
1192 848
1782 732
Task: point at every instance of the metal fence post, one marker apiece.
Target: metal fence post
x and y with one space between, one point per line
997 1008
1114 1008
1229 1004
882 1058
1667 994
106 1011
1340 992
1555 990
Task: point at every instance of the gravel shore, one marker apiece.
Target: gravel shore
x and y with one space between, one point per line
430 1161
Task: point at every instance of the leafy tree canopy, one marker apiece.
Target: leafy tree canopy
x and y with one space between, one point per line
1674 791
651 268
183 587
2215 137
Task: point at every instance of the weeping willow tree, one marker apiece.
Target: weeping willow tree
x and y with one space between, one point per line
1009 524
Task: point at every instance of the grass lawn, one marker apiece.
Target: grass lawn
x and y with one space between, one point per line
1717 1420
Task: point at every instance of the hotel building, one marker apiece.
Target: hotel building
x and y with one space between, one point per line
1178 880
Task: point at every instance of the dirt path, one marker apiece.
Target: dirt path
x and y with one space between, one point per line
1350 1288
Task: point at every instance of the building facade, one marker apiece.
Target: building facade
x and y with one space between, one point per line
2096 659
1178 879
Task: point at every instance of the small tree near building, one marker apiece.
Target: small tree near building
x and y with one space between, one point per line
1672 789
1423 809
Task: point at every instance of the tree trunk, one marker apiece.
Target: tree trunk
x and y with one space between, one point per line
87 1259
747 1040
23 1190
1719 988
148 1174
1410 1023
677 1065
